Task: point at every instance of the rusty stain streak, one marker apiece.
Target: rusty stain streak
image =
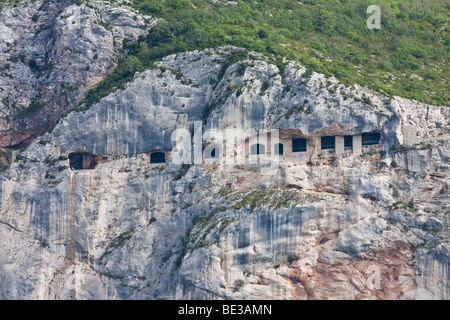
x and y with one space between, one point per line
71 223
90 186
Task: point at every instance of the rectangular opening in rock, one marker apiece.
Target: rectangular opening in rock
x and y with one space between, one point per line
298 145
328 142
370 138
348 142
158 157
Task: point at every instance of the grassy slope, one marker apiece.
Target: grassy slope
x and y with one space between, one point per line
407 57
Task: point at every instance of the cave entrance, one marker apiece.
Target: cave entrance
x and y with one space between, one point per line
158 157
328 142
370 138
82 161
348 142
298 145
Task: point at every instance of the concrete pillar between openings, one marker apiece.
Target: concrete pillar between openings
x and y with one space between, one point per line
339 145
313 146
357 144
287 147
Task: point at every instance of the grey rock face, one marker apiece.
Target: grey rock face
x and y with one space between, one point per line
355 226
53 52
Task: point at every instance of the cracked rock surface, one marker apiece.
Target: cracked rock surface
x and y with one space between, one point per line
52 53
319 228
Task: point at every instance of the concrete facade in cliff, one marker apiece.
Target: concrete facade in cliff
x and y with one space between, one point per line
320 228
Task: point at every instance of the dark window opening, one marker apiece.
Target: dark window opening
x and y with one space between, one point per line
82 161
370 138
328 142
158 157
348 141
298 145
278 149
258 149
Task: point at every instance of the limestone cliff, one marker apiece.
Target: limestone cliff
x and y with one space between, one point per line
52 53
323 227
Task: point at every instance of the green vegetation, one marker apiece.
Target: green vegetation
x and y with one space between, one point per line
224 191
264 87
405 206
253 199
33 108
424 146
408 56
44 243
50 161
184 169
216 222
47 67
296 110
121 239
203 226
105 25
185 242
220 209
201 220
3 167
273 199
394 164
396 193
43 142
224 222
50 176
